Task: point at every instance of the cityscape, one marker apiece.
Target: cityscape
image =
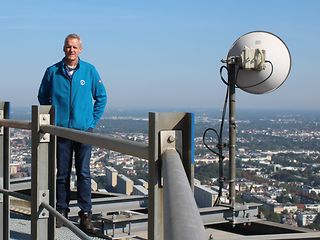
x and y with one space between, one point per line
278 160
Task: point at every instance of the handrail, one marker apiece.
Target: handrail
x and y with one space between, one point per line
182 219
16 194
15 124
66 222
123 146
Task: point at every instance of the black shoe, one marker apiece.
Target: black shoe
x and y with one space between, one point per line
85 222
59 223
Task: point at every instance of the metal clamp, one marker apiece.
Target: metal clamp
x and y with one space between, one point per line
43 197
44 119
170 139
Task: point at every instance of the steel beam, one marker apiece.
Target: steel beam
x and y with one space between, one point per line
43 175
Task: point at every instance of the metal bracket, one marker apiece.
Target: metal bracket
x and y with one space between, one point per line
44 119
1 117
170 139
1 186
43 197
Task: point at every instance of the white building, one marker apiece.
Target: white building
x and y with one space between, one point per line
305 218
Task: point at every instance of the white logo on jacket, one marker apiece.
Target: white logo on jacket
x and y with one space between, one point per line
82 82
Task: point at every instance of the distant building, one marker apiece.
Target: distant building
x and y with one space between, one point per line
305 218
124 185
94 185
204 196
276 167
290 208
14 168
309 190
197 182
111 175
142 183
313 207
224 194
141 191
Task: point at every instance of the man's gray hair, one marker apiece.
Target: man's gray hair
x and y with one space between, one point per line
73 35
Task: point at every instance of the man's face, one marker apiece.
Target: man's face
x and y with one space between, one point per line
72 49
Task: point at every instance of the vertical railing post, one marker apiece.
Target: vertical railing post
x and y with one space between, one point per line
43 174
4 173
182 122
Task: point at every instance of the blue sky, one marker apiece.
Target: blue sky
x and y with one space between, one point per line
158 54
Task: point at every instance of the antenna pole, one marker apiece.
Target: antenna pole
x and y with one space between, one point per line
232 70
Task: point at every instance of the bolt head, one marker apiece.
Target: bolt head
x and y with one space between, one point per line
171 139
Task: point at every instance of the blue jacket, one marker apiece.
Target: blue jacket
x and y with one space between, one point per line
79 101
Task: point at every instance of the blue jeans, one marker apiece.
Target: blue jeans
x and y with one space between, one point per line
65 149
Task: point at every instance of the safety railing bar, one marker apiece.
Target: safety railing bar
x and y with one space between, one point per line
182 219
123 146
66 222
15 194
15 124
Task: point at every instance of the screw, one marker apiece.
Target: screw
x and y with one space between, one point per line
171 139
43 194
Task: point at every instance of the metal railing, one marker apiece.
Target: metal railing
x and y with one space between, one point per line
177 190
163 183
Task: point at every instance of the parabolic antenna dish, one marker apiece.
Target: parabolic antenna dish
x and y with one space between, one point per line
277 62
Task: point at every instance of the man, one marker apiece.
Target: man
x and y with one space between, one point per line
75 89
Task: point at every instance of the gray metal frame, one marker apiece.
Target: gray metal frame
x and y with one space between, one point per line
43 174
158 122
170 154
4 172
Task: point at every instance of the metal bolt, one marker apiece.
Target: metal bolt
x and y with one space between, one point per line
43 214
171 139
43 194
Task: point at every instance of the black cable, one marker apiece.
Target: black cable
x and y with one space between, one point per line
219 135
223 80
220 147
204 142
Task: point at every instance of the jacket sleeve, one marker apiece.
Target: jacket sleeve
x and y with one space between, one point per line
44 95
100 98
